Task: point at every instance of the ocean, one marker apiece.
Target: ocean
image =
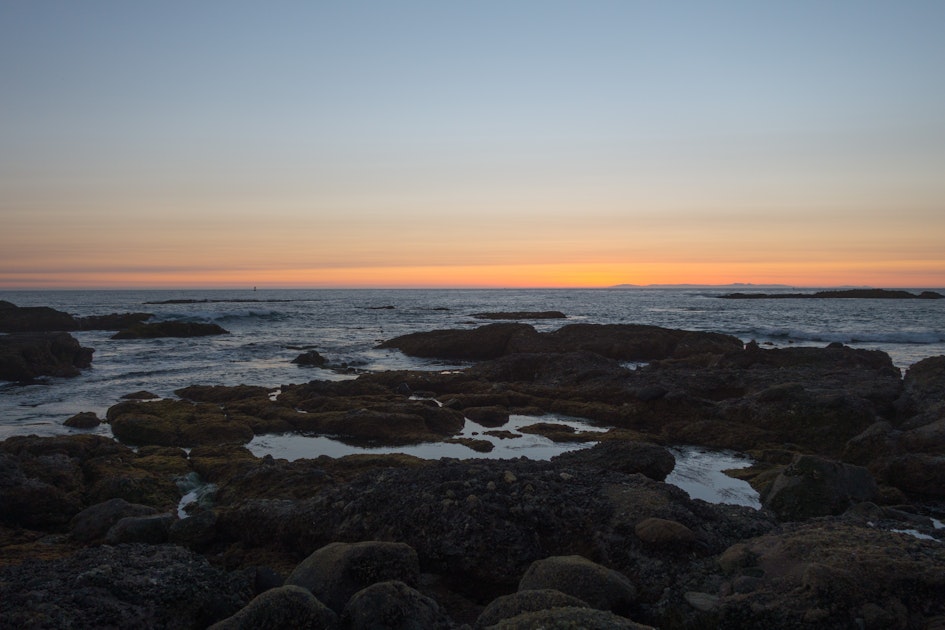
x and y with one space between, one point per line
269 328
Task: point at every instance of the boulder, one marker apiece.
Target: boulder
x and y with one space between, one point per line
569 617
310 359
624 456
485 342
600 587
175 423
92 524
169 329
26 356
83 420
661 532
917 474
393 605
337 571
151 529
521 602
813 486
521 315
281 607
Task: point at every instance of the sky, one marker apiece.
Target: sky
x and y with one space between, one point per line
482 143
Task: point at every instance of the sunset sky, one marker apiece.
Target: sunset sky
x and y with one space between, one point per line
480 143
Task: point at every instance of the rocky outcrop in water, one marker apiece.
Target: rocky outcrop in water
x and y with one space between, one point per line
169 329
26 356
861 294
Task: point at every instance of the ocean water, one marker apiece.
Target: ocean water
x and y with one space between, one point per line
271 327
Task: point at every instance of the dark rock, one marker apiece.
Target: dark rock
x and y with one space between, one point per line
281 607
83 420
169 329
194 532
20 319
151 529
175 423
310 358
141 395
515 604
395 606
92 524
569 618
127 586
492 417
337 571
486 342
919 473
624 456
868 294
600 587
25 356
663 532
222 393
813 486
114 321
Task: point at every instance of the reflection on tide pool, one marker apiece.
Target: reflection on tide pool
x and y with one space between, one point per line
698 471
293 446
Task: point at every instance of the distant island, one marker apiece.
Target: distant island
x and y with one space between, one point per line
884 294
734 285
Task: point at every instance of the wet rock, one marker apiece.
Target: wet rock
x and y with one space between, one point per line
83 420
169 329
28 355
175 423
918 474
281 607
310 358
222 393
492 416
485 342
522 315
92 524
600 587
521 602
395 606
813 486
624 456
337 571
140 395
150 529
195 531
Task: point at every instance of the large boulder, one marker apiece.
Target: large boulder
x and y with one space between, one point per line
567 618
485 342
521 602
600 587
813 486
26 356
339 570
624 456
282 607
93 523
392 605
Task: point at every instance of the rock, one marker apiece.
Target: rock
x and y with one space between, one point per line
169 329
151 529
19 319
492 416
485 342
222 393
663 532
525 601
813 486
281 607
195 531
480 446
141 395
83 420
600 587
126 586
703 602
310 358
92 524
175 423
624 456
28 355
568 618
113 321
395 606
917 474
337 571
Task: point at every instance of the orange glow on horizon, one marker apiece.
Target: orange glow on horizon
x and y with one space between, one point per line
914 274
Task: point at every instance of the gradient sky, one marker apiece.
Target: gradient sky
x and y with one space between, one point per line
479 143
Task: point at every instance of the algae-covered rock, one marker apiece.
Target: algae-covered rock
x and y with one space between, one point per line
282 607
600 587
175 423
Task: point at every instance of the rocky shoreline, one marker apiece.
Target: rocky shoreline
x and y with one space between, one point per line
849 455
